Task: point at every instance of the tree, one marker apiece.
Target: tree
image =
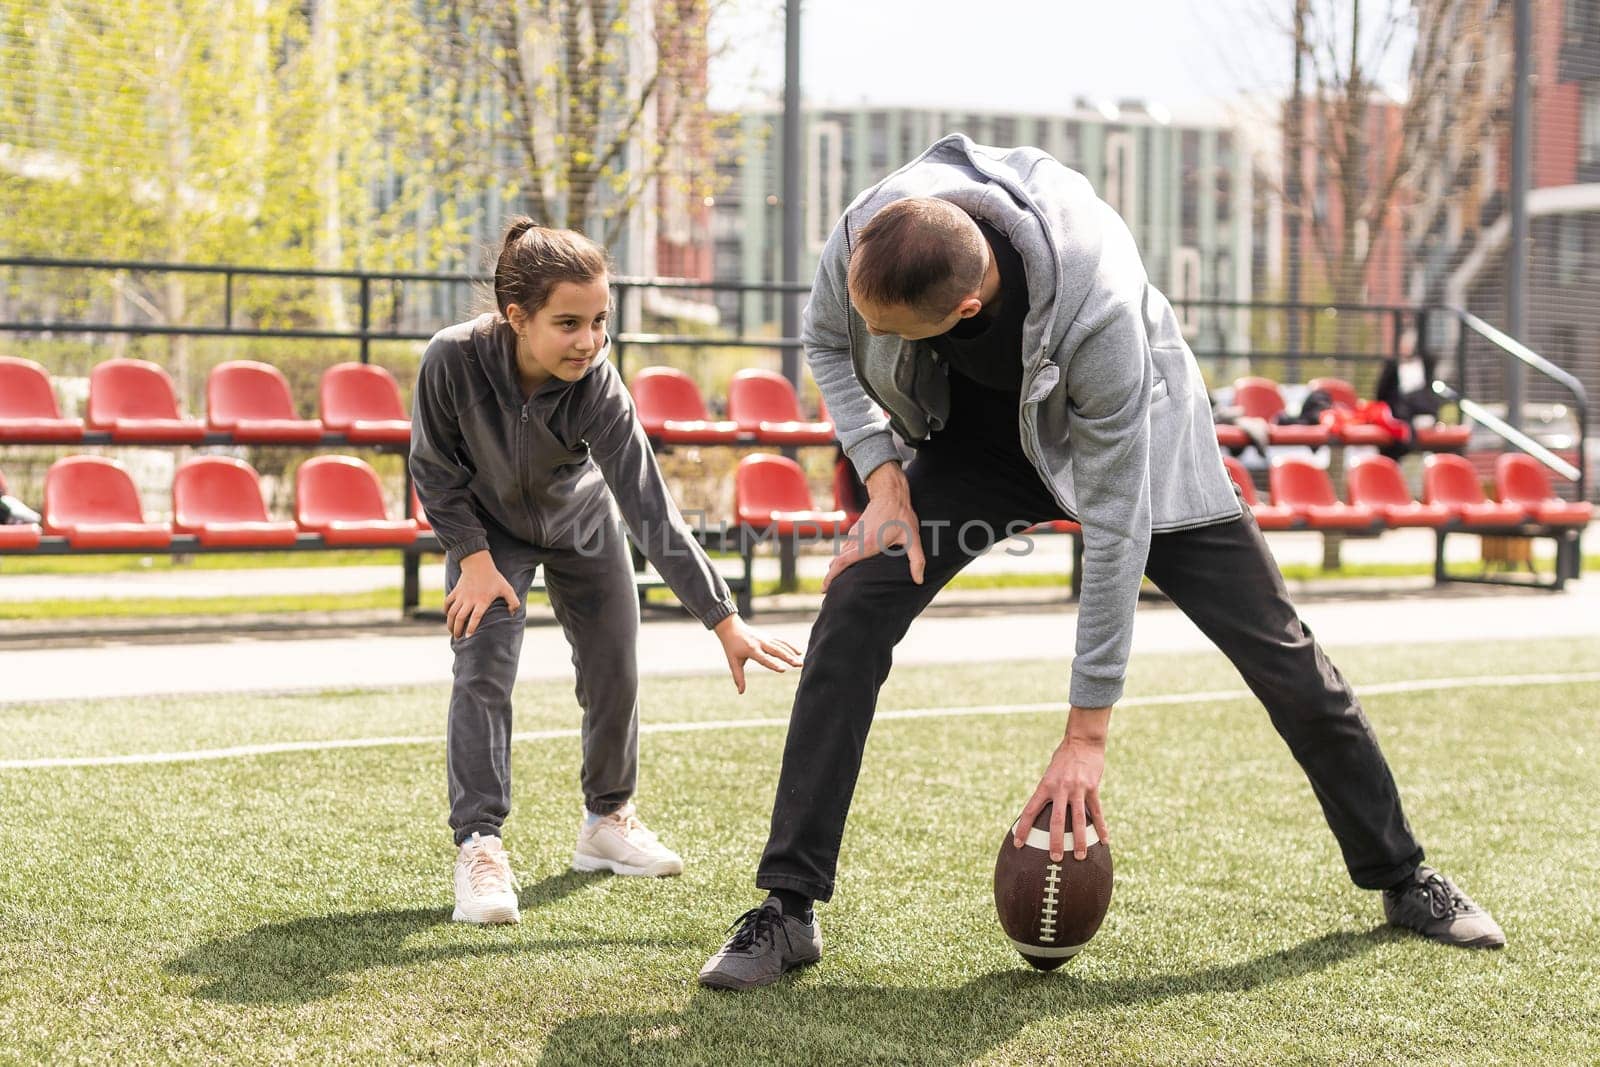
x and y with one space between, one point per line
592 103
1370 167
1388 163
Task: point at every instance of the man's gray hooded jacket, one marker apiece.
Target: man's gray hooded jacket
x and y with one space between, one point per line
1114 412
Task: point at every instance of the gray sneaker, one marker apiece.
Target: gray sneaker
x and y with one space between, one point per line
765 944
1430 904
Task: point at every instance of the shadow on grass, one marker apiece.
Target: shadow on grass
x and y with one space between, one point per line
805 1023
307 959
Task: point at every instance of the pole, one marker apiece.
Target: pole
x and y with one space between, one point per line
1294 159
1517 263
793 172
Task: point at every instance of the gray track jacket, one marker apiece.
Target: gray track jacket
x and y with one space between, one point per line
539 467
1114 411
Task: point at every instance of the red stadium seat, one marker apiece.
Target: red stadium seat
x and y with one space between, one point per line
1521 480
1231 436
219 500
362 401
92 502
672 411
1268 516
252 402
1341 392
28 410
134 400
21 536
1059 526
1451 481
1259 398
1376 481
1347 404
1306 491
17 536
1443 437
844 490
770 493
339 497
763 403
417 513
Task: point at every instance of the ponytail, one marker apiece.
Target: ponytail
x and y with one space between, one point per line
534 260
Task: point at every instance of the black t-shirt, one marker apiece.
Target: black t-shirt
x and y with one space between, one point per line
984 358
987 348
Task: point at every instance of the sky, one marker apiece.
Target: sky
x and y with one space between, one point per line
1013 55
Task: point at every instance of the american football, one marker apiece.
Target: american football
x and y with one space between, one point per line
1050 910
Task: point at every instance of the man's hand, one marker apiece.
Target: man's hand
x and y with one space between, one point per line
741 643
888 522
1072 781
480 585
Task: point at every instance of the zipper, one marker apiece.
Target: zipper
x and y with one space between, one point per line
524 446
1032 447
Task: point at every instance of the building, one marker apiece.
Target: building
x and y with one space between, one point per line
1460 255
1184 189
1376 253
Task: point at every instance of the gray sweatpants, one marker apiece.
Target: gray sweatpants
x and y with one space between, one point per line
594 599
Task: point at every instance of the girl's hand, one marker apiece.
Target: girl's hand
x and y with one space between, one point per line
741 643
480 585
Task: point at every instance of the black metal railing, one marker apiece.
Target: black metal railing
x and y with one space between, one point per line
380 320
385 311
1351 340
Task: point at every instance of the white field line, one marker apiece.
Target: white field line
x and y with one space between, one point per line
1421 685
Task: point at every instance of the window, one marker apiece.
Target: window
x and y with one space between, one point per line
1575 12
1569 249
1564 345
1005 132
824 182
1224 178
1070 146
1589 134
1186 287
910 143
1189 186
877 142
1122 177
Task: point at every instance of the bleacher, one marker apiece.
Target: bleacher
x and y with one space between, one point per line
91 504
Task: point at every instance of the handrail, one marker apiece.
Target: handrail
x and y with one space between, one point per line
1482 415
1527 355
1580 401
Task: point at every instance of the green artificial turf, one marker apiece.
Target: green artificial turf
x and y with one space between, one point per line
377 599
294 906
198 561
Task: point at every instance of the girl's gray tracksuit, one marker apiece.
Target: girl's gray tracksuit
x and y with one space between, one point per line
527 478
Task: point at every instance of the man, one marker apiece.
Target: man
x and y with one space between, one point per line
998 312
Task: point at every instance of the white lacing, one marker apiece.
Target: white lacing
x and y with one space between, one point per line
489 871
633 830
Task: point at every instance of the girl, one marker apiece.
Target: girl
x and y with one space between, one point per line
524 448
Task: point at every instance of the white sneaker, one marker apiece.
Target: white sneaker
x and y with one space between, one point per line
485 887
621 844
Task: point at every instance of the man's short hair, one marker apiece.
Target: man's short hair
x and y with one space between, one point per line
922 253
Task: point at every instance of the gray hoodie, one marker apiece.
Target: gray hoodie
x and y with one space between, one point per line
539 467
1114 412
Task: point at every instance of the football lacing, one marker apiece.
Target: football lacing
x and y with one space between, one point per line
1047 917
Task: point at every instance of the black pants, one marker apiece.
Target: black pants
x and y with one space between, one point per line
1223 577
